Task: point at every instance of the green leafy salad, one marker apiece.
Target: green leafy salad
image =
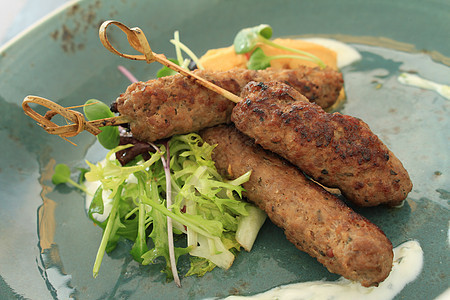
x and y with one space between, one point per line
176 193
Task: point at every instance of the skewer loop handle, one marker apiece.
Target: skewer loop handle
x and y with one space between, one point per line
78 120
73 116
136 38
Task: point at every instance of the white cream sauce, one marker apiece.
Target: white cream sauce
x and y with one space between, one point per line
416 81
444 296
408 261
346 55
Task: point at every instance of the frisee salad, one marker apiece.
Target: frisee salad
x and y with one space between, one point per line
206 209
174 202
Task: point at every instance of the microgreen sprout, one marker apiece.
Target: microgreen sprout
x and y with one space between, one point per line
127 74
188 51
260 61
248 39
95 110
62 175
176 38
182 62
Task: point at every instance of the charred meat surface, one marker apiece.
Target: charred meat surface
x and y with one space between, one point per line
334 149
314 220
171 105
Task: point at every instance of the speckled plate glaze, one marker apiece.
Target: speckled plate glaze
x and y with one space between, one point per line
48 243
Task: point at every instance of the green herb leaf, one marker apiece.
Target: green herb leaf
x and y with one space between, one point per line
247 39
258 60
166 71
81 178
129 229
61 175
97 203
95 110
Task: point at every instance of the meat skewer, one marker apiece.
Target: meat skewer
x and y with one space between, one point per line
349 156
171 105
334 149
314 220
338 246
338 151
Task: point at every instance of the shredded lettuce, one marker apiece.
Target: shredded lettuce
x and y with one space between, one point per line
205 207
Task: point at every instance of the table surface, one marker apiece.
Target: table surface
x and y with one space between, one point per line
16 16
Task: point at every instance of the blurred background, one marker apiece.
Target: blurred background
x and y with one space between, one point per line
17 15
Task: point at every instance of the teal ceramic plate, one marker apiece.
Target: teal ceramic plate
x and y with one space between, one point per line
48 244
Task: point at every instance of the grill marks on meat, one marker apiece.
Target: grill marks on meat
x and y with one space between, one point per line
171 105
314 220
174 105
334 149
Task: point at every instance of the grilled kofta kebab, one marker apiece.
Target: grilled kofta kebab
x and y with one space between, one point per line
334 149
314 220
175 104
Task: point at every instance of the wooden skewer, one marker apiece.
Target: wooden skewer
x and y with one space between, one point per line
79 123
137 40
